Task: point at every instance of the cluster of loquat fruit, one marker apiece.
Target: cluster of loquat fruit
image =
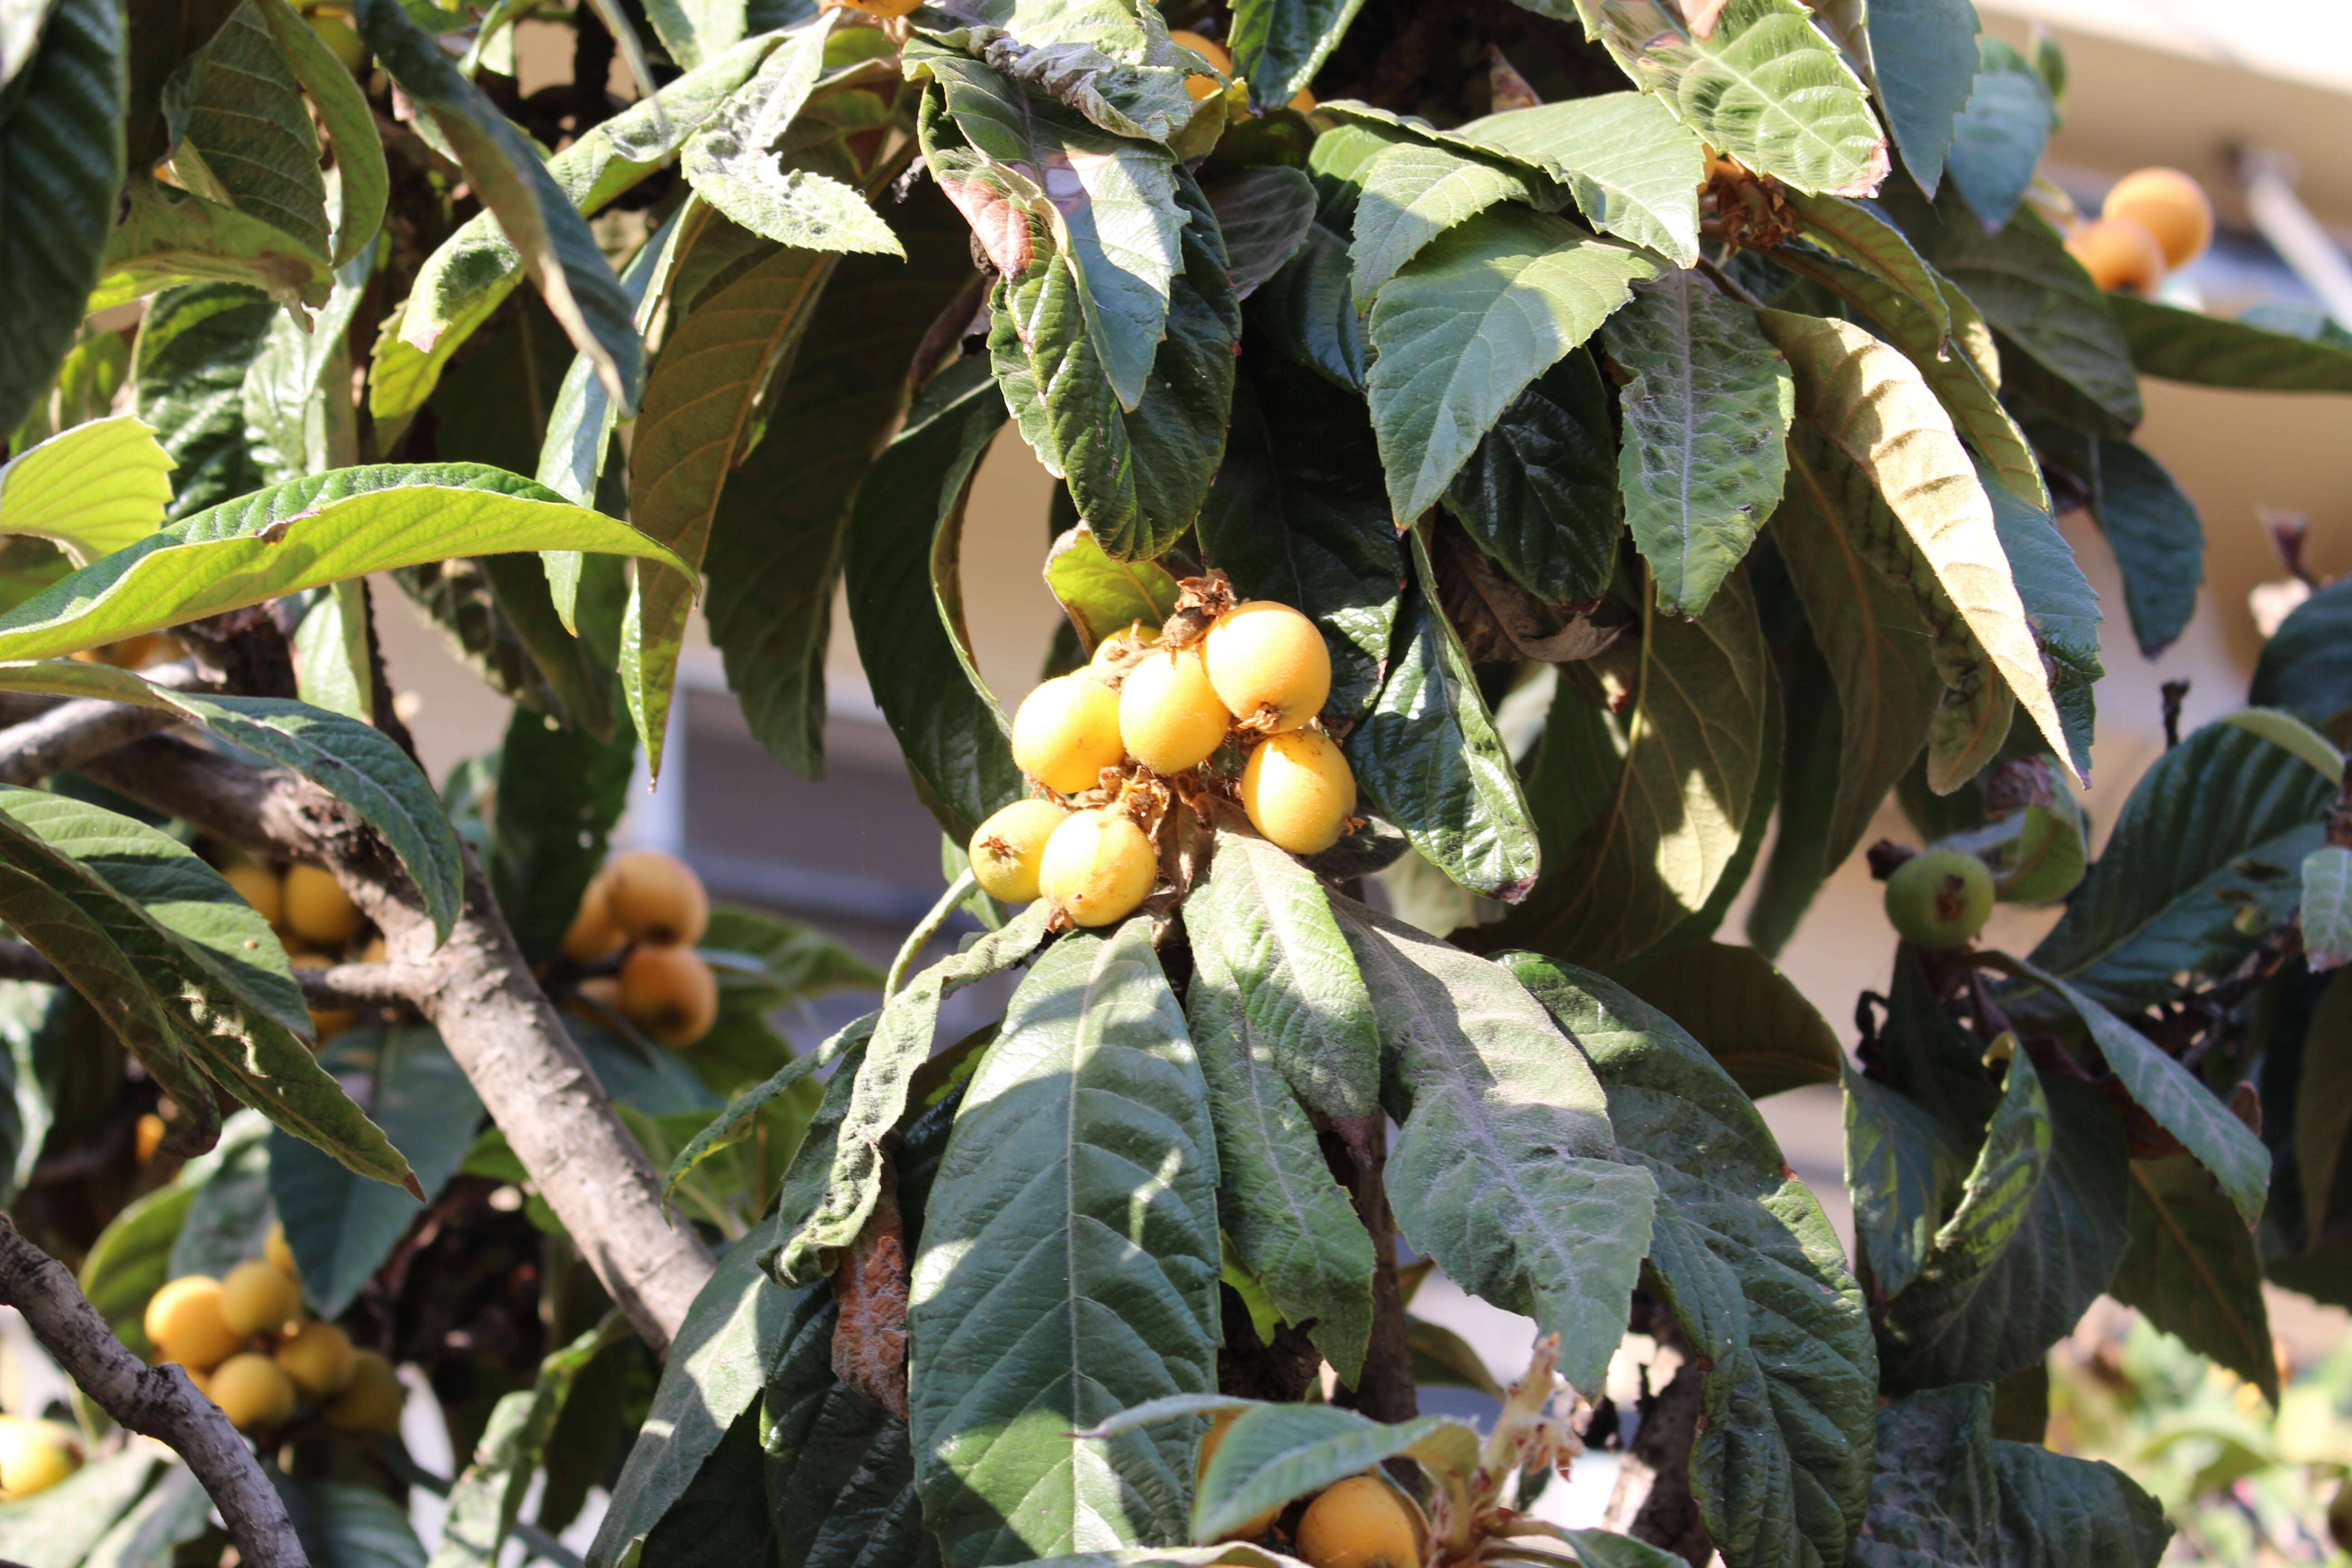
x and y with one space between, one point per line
1104 745
243 1343
636 926
2153 222
314 918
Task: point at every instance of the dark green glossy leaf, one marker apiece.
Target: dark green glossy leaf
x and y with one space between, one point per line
1947 1492
2035 1238
61 162
955 738
840 1471
1412 194
560 792
1905 1171
2157 538
1633 171
228 1221
1279 44
241 131
2306 666
2001 133
777 537
2060 605
2216 825
1073 1219
1705 440
1307 310
2194 1269
1264 214
2210 350
1427 757
1750 1018
1922 53
1297 515
1540 494
196 345
342 1228
1505 1170
1753 1273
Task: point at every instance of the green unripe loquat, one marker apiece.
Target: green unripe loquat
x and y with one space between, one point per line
1098 866
1007 848
1939 899
1065 733
1170 718
1269 665
1298 791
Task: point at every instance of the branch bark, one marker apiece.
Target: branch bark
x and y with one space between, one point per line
70 734
1357 1149
156 1401
1653 1500
476 990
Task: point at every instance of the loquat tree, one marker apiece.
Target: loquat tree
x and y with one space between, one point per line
1529 476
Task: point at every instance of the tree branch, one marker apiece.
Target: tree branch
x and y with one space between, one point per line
70 734
476 990
156 1401
361 987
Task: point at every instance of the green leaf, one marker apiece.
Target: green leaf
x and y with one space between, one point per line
2051 318
1872 640
60 1527
487 1497
2174 344
1634 172
1923 55
175 1512
1289 1220
290 429
1540 495
1999 136
560 792
1307 310
1948 1492
462 283
341 1229
1853 233
2326 909
2060 605
1647 839
1905 1171
2172 1096
804 1182
1752 1019
730 163
170 237
2306 666
1279 44
242 133
1870 402
954 737
1264 214
2159 540
692 31
731 1340
536 212
346 1525
1411 194
2216 825
196 345
840 1470
1959 364
1103 597
365 181
1297 514
901 1042
1285 1451
1763 85
1302 996
131 1258
93 489
32 1049
699 409
2034 1239
1480 312
777 537
1427 757
1754 1274
2194 1269
1505 1170
1111 231
1706 439
1807 789
179 965
1042 1266
1112 63
61 162
354 762
1139 476
303 534
229 1220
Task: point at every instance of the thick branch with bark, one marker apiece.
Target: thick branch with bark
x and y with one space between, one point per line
476 990
156 1401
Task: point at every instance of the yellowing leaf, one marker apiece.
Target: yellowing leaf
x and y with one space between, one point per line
93 489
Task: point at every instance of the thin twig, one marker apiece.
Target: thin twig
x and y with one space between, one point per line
156 1401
